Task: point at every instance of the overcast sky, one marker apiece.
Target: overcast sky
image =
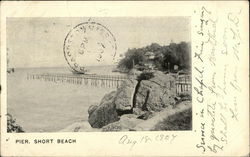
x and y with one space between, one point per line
38 42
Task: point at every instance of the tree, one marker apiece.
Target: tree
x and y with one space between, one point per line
132 56
165 57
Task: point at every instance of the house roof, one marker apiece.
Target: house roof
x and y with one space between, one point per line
149 53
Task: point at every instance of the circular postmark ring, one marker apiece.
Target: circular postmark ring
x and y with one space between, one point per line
87 43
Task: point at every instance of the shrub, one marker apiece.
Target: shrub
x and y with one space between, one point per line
186 96
145 76
12 126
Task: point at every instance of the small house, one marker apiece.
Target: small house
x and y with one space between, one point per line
150 55
149 63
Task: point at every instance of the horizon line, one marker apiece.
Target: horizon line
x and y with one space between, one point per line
61 66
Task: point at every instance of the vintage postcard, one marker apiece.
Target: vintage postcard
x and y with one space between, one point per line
125 78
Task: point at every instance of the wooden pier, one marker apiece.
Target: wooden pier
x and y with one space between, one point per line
79 79
183 83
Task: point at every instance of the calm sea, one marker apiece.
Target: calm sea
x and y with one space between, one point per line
40 106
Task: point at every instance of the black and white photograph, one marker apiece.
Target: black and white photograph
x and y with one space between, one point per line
98 74
124 78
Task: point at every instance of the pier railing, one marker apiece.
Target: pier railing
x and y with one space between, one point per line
87 79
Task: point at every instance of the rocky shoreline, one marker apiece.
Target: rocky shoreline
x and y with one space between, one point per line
140 105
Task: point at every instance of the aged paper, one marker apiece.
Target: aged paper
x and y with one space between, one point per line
125 78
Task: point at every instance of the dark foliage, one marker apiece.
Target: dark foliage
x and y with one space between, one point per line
145 76
12 126
165 57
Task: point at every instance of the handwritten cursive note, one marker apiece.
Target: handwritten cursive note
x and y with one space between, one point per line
216 86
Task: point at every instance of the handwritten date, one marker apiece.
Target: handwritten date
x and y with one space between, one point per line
132 142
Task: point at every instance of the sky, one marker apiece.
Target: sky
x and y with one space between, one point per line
38 42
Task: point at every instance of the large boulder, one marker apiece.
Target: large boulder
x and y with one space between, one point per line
125 94
127 122
104 113
92 108
156 93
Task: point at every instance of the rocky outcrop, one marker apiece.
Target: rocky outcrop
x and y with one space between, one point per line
105 113
179 121
124 95
156 93
92 108
171 118
79 127
161 118
135 104
113 105
127 122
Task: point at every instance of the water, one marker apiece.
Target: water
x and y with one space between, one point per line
40 106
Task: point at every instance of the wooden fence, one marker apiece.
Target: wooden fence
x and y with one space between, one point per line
183 83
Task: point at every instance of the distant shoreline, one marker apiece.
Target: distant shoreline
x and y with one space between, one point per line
66 67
